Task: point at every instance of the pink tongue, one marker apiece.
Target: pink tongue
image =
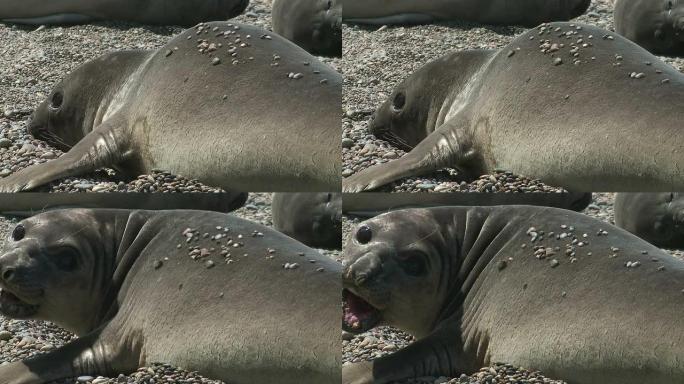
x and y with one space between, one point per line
350 318
355 310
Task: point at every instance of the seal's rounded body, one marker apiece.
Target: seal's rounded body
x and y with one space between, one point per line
529 13
544 106
228 104
201 290
541 288
163 12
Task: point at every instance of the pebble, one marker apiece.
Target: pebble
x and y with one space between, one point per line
5 335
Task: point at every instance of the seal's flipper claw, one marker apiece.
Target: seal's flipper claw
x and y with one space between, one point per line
422 359
83 356
103 147
442 148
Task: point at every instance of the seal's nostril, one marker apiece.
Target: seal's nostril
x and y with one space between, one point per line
8 274
360 279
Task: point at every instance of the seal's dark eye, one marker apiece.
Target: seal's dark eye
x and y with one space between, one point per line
65 258
329 5
413 263
328 198
18 233
56 101
364 234
670 197
399 101
669 5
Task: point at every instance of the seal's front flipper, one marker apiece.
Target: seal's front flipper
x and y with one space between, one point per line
447 146
83 356
434 356
358 373
105 146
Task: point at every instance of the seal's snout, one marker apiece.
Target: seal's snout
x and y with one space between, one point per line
13 288
8 267
363 269
8 274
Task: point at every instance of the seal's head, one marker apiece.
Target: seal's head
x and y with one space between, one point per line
71 110
661 219
392 273
580 7
666 23
238 8
657 25
326 32
51 270
327 220
315 25
419 104
675 10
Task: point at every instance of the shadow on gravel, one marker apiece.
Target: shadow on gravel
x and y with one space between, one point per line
462 25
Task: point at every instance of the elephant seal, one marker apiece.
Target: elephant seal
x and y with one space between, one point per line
529 13
315 25
657 25
31 203
537 287
373 204
163 12
315 219
158 286
229 104
523 109
655 217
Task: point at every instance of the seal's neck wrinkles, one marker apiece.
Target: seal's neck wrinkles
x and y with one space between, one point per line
464 71
122 84
126 231
479 236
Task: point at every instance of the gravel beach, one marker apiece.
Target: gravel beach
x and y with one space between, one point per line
33 59
21 339
385 340
375 59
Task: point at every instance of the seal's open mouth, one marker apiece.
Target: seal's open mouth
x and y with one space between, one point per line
14 307
358 315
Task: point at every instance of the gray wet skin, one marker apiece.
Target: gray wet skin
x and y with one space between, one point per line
163 12
472 286
119 280
237 122
373 204
315 25
315 219
610 122
529 13
30 203
656 25
655 217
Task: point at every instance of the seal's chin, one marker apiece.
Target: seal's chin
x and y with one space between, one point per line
358 315
392 138
14 307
